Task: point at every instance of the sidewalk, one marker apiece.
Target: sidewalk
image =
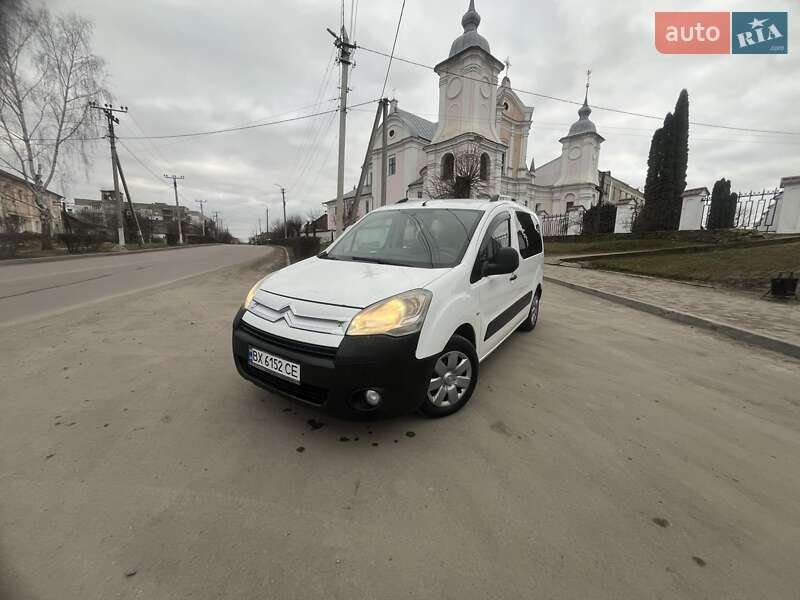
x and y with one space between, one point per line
57 257
741 315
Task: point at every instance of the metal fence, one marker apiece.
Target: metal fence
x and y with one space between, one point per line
754 210
569 223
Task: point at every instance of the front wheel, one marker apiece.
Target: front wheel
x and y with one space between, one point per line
529 324
453 379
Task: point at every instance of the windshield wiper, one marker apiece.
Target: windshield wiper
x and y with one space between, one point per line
368 259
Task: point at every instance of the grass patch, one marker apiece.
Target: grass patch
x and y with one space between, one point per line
147 246
749 268
602 246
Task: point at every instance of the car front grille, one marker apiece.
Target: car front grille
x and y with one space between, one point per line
287 344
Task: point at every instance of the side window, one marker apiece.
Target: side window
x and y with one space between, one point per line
498 236
522 242
527 232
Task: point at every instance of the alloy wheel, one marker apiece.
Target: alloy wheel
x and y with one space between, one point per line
452 375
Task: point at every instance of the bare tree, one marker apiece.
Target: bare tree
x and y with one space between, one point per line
311 225
294 225
48 75
464 179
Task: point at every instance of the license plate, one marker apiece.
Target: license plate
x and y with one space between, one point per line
273 364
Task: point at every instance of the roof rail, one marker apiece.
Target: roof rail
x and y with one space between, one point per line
401 201
501 197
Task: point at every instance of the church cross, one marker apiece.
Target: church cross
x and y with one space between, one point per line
508 64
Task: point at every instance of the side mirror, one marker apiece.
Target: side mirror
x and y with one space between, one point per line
506 260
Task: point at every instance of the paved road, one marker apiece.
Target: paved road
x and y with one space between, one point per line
610 454
32 289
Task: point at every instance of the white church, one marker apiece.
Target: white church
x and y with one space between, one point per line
478 117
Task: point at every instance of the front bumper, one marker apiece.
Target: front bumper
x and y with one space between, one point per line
335 379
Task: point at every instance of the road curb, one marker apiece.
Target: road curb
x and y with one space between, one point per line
736 333
688 249
43 259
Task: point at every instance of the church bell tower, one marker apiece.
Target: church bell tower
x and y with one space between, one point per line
468 84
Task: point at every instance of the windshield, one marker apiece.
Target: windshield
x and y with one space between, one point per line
428 237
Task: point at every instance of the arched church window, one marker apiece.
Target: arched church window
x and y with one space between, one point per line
484 174
505 105
391 133
448 166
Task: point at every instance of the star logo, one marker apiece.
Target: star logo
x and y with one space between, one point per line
757 23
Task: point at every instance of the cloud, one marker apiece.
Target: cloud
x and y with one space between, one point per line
184 66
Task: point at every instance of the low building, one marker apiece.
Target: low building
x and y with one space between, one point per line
104 210
319 228
18 208
87 210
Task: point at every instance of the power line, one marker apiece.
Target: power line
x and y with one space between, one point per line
394 45
144 166
313 130
299 181
230 129
567 101
227 130
736 136
150 142
354 25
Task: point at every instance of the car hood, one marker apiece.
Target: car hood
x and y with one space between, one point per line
346 283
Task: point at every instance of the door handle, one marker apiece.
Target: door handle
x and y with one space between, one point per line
513 277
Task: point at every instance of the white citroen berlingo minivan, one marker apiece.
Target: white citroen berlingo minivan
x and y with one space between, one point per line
397 313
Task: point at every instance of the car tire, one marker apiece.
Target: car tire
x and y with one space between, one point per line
529 324
452 379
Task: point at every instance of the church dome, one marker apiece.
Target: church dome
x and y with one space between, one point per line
470 38
583 124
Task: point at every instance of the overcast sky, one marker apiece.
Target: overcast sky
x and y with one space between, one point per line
185 65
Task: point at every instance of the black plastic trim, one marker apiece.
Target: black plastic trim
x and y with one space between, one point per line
334 383
507 315
286 343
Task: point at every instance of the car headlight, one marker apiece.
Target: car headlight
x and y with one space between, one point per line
252 293
399 315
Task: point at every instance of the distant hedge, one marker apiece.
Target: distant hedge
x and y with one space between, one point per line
300 247
77 243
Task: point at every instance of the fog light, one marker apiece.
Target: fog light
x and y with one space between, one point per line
372 397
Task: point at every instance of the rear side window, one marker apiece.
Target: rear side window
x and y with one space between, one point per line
530 241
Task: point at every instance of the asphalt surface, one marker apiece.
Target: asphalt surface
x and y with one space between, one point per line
30 290
608 454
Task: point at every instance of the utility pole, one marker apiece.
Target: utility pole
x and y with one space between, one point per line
216 225
283 195
260 231
267 222
345 51
130 202
177 206
350 217
108 111
202 216
384 159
